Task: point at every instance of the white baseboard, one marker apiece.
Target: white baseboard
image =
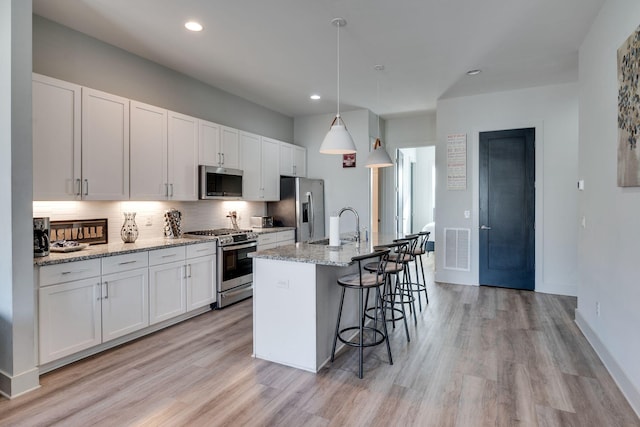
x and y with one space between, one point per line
626 386
557 289
14 386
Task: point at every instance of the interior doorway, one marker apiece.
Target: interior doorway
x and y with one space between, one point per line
415 189
507 208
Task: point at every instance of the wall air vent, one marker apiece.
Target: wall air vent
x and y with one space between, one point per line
457 249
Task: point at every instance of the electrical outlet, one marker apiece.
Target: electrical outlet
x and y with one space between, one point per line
583 222
597 308
149 222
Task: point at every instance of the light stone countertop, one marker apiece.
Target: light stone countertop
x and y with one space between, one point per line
321 253
111 249
271 229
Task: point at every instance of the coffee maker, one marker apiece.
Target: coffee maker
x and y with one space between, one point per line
40 237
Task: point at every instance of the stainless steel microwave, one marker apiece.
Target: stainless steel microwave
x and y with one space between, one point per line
220 183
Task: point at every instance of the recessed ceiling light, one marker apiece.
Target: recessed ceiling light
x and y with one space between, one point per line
315 97
473 72
193 26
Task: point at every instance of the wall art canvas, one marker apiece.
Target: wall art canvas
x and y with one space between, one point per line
629 111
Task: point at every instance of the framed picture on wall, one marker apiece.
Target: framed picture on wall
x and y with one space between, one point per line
349 160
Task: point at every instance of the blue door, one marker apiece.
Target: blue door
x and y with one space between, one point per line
507 208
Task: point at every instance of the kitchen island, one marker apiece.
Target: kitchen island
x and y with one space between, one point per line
296 298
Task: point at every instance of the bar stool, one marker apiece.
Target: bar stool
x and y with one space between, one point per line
360 281
393 292
406 286
420 250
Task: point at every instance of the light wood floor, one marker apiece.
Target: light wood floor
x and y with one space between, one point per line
478 356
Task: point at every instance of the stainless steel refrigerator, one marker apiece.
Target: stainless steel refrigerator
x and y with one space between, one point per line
301 206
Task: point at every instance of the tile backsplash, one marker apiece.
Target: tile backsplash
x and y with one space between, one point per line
197 215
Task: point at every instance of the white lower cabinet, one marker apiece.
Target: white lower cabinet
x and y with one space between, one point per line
167 291
276 239
180 280
83 304
125 303
69 318
201 275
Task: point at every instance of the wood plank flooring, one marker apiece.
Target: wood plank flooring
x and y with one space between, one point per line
477 357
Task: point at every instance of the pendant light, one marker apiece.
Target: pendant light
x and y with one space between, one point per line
338 139
378 157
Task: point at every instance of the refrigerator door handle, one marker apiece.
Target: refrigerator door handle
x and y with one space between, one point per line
311 215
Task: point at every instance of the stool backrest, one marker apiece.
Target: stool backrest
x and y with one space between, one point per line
400 248
424 238
383 257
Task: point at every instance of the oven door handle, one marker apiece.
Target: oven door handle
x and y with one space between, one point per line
236 247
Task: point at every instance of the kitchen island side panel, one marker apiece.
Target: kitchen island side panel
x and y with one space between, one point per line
295 311
284 313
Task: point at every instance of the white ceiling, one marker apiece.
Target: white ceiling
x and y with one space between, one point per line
278 52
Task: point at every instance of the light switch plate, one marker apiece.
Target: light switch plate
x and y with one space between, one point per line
467 214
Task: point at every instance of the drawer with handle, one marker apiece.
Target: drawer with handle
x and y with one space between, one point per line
126 262
201 249
163 256
69 271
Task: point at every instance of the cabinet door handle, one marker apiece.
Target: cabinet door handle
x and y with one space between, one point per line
86 187
166 189
127 262
99 291
294 170
75 271
171 186
189 275
79 187
168 256
222 158
219 160
484 227
106 290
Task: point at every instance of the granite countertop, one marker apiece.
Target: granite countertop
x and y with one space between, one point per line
323 254
111 249
271 229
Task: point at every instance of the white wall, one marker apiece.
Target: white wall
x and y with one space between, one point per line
18 371
69 55
608 246
553 111
342 186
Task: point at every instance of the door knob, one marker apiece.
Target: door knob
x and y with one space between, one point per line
484 227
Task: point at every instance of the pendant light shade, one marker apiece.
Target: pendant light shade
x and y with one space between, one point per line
338 140
378 158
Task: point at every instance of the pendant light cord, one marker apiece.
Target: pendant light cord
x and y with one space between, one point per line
338 69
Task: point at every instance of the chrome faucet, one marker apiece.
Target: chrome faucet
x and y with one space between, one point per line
357 220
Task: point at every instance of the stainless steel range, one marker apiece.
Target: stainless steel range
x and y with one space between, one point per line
234 267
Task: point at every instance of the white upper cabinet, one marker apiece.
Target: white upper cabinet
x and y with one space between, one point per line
260 163
105 146
292 160
209 152
56 139
230 147
251 166
270 158
219 145
299 161
183 157
148 149
164 154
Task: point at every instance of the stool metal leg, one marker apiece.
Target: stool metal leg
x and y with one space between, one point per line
361 347
384 323
424 281
335 338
